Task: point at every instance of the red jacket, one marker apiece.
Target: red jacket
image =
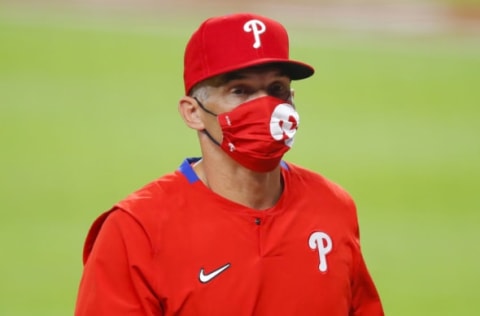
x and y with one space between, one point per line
176 248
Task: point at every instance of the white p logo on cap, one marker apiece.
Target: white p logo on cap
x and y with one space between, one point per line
257 27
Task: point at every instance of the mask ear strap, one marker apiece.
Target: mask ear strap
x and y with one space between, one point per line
204 108
211 113
211 138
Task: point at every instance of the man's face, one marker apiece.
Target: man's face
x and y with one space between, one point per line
228 91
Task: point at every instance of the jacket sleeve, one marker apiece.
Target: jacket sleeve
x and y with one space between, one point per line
365 298
117 277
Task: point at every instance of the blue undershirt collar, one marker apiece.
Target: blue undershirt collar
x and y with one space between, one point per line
187 170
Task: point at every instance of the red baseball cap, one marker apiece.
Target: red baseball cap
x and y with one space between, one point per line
232 42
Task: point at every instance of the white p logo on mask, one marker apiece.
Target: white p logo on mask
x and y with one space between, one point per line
284 123
256 27
323 243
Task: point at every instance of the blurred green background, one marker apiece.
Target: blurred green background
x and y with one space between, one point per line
88 113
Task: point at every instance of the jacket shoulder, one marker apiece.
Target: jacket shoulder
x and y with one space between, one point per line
155 193
142 206
317 182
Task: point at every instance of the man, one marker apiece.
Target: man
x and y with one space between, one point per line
238 231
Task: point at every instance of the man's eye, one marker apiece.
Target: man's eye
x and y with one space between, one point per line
280 91
238 91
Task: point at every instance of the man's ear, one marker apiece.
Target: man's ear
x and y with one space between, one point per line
292 96
190 113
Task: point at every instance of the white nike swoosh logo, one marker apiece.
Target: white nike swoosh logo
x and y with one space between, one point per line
207 277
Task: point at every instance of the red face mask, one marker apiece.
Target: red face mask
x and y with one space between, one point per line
257 133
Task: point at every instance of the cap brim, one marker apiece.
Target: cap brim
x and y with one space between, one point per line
294 69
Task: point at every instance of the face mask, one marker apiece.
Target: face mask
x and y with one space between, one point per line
257 133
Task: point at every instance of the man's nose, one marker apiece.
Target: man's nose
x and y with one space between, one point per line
258 94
